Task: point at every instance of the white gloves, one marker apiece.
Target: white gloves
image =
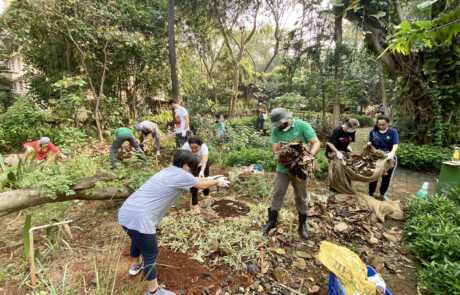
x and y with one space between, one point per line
201 174
158 153
223 182
184 133
391 156
340 155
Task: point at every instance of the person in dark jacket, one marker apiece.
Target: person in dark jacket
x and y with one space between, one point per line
340 139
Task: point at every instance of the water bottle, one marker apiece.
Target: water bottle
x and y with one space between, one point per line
423 191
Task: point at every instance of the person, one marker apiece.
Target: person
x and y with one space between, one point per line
145 128
340 139
286 130
122 135
42 148
182 122
200 150
141 213
221 130
260 121
385 138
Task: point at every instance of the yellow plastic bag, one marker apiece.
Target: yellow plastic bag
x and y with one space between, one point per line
348 268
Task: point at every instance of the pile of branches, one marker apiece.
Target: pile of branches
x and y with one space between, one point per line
297 159
365 163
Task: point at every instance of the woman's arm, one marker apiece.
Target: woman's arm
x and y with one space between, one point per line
204 183
204 163
332 147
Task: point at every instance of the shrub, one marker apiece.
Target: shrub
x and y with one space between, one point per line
364 121
433 228
250 156
440 278
322 166
22 122
249 122
422 157
255 186
433 234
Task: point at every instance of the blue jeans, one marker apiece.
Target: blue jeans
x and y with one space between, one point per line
145 245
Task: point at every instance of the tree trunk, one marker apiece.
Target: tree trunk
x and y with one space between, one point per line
383 95
172 51
12 201
338 66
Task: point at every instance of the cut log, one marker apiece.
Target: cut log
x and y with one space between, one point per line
12 201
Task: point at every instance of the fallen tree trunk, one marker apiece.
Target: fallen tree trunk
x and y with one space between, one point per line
12 201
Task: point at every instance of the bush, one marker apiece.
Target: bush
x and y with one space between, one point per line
250 156
422 157
433 234
440 278
22 122
322 166
364 121
255 186
433 228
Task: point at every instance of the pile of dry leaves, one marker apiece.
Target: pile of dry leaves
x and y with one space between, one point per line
297 159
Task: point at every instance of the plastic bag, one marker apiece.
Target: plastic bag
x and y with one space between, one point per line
348 268
335 287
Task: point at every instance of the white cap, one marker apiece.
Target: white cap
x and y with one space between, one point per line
44 140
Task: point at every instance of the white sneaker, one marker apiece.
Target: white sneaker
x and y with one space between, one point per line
134 270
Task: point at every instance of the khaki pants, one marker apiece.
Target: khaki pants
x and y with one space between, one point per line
281 186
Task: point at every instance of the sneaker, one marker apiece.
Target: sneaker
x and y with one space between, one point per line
134 270
161 291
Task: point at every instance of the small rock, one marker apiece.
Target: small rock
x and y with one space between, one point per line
341 227
373 240
241 289
260 289
314 289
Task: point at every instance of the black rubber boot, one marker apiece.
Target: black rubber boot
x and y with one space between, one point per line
303 226
272 220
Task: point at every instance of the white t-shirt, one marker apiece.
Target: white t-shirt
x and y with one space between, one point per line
202 151
181 115
145 208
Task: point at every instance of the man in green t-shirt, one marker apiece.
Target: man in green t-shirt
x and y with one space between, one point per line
286 130
121 135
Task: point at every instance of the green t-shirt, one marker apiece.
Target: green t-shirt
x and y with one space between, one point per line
123 131
299 132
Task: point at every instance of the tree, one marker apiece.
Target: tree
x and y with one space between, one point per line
172 50
232 24
338 69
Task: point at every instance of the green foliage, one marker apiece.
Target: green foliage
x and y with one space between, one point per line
422 157
250 156
290 100
256 186
433 233
23 121
440 278
322 165
364 121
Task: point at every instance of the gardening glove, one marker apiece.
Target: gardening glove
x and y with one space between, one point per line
223 182
391 156
201 174
184 133
339 155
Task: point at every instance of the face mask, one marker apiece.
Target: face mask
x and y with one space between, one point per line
351 130
285 126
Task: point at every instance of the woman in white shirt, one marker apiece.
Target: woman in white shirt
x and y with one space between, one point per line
200 150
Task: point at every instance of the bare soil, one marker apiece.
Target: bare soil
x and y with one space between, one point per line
229 208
